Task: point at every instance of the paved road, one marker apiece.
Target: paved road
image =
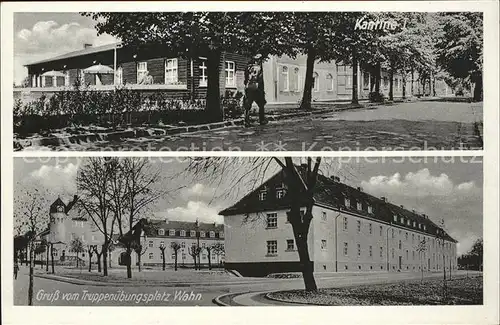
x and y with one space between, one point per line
50 292
405 126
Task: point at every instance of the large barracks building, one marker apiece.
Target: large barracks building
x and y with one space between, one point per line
351 231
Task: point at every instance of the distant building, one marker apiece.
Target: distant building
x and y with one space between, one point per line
351 231
153 69
162 233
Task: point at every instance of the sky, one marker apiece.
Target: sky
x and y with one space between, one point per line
443 188
38 36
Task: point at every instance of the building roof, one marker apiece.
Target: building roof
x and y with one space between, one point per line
167 225
329 191
67 207
84 51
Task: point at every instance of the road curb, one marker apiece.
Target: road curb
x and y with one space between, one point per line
217 300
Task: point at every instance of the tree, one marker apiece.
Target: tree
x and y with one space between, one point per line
98 254
175 248
140 249
40 248
93 182
132 190
299 180
194 251
162 250
421 249
76 246
30 205
90 252
209 250
218 250
460 47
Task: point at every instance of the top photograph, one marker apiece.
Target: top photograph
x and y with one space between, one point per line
248 81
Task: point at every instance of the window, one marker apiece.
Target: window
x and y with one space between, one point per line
171 232
414 224
347 203
370 228
119 76
359 249
93 238
370 209
348 81
183 245
192 233
230 74
203 245
412 238
323 244
381 251
395 218
298 79
316 81
345 223
290 245
203 72
406 254
151 255
323 216
406 235
202 234
370 251
286 81
142 69
263 195
413 255
329 82
381 229
212 234
392 252
366 80
183 233
272 247
280 193
399 245
358 225
221 234
402 220
393 233
83 237
359 206
162 244
408 222
346 249
425 228
150 243
272 220
171 71
161 232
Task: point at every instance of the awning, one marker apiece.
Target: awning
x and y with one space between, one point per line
53 73
99 69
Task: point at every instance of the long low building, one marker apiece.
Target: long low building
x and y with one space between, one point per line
350 231
150 70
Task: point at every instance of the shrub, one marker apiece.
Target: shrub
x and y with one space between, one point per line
232 103
376 97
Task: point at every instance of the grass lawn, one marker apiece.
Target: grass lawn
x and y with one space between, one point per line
460 291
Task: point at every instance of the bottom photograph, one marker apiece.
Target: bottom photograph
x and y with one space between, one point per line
248 231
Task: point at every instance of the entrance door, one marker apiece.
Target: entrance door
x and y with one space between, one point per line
400 262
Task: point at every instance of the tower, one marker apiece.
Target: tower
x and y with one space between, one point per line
57 219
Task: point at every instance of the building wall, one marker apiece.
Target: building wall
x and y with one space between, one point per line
246 244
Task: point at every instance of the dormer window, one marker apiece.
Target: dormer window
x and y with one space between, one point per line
359 206
192 233
347 203
263 195
212 234
402 220
161 232
408 222
280 193
202 234
221 234
425 228
370 209
60 208
183 233
395 218
414 224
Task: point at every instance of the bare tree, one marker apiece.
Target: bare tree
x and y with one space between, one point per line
175 248
209 250
93 182
30 211
132 191
140 249
421 249
98 254
218 250
76 246
90 251
162 250
300 181
194 251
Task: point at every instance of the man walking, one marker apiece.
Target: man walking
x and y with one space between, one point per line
254 90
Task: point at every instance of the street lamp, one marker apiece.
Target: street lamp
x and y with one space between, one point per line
336 244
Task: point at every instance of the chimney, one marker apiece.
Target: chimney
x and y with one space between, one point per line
383 198
413 210
166 221
360 189
87 45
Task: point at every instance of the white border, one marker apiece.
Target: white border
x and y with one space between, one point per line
486 314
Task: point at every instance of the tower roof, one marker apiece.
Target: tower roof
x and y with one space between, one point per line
57 203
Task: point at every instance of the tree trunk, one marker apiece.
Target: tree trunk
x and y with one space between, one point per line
175 262
77 260
194 258
163 259
47 262
433 85
52 257
354 99
27 258
109 259
139 261
32 265
99 262
404 83
307 267
90 262
308 85
104 252
391 83
209 262
412 80
378 78
478 89
129 263
213 109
